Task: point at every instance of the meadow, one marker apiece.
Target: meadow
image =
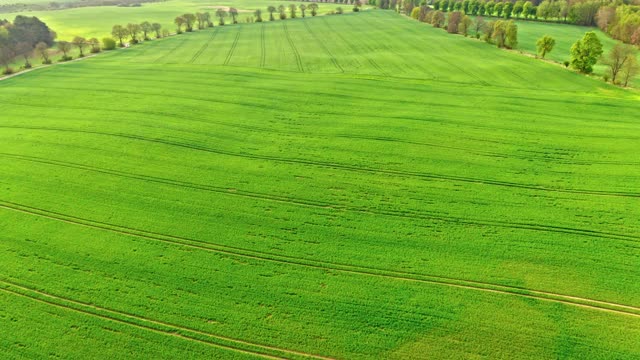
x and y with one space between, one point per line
298 189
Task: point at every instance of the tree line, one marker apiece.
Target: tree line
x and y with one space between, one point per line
502 33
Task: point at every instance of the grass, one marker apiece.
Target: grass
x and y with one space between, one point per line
299 187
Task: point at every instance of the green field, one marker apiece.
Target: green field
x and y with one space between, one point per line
298 189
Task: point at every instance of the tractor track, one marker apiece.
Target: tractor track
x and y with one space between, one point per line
296 53
414 215
149 323
345 167
233 251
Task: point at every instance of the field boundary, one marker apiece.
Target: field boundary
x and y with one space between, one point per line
594 304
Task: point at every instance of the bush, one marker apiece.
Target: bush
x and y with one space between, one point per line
7 71
566 63
47 62
339 10
356 9
27 66
66 58
108 43
606 78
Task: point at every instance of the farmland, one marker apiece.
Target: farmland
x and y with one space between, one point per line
298 189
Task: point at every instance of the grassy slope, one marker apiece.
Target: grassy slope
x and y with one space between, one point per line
485 171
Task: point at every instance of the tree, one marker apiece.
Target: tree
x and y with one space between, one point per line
207 18
437 19
454 21
189 20
630 70
65 47
179 21
42 49
156 28
617 58
292 10
518 8
234 14
465 24
314 9
271 10
585 53
258 15
498 9
511 34
303 8
507 10
490 7
108 44
500 33
95 45
479 26
146 28
134 30
221 14
544 45
119 32
80 43
281 10
200 18
29 30
526 9
25 49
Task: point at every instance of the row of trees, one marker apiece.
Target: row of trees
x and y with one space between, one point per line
503 33
20 38
137 32
622 22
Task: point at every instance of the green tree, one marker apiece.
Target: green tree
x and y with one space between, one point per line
630 70
281 10
119 32
65 47
146 28
507 10
617 58
292 10
179 21
303 8
133 30
189 20
314 9
221 14
156 28
518 8
511 34
234 14
544 45
526 9
80 43
258 15
95 45
108 43
585 53
42 49
271 10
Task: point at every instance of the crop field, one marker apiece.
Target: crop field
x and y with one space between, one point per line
301 190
